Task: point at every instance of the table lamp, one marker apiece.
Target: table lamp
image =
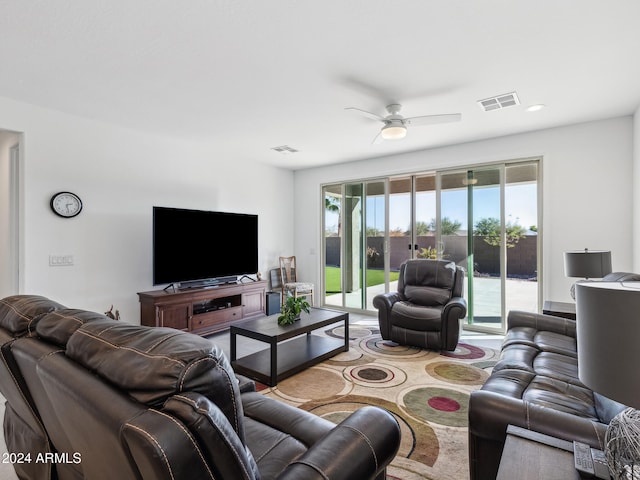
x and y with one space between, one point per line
608 334
586 264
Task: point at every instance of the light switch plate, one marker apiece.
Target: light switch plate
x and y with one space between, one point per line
60 260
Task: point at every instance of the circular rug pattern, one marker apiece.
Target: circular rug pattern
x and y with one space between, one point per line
375 345
355 332
466 352
439 405
375 375
315 383
350 357
457 373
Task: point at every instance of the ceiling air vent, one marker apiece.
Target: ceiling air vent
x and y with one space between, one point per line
285 149
499 101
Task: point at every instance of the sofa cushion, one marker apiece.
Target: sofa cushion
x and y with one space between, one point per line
558 395
427 296
543 391
20 313
57 327
151 364
428 283
561 367
509 382
517 356
532 360
557 343
416 317
541 340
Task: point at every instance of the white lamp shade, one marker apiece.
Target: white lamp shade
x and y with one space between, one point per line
608 334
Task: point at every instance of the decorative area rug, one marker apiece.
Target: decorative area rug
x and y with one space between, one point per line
427 392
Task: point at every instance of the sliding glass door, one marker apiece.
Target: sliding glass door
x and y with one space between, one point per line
488 223
354 244
485 219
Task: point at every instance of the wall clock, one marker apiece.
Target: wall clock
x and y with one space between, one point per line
66 204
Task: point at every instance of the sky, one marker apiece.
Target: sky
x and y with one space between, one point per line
520 207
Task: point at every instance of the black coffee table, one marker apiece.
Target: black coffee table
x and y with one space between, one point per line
292 348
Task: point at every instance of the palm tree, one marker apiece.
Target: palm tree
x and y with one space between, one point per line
332 204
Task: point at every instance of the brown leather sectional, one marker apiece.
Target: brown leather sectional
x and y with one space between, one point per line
535 385
95 398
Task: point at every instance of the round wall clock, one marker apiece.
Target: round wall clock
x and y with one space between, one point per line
66 204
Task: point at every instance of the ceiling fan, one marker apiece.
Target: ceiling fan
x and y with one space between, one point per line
395 125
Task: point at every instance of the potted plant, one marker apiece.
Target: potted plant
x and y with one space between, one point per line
292 308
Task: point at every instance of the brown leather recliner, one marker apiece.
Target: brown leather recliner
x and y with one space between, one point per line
23 429
427 308
118 400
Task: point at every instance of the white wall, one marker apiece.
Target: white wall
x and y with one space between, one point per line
120 175
587 191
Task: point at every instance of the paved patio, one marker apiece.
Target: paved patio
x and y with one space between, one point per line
520 295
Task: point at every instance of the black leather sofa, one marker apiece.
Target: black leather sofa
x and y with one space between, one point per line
95 398
535 385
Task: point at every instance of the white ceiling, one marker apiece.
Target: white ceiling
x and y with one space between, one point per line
248 75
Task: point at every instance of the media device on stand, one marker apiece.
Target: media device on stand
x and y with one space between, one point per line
202 249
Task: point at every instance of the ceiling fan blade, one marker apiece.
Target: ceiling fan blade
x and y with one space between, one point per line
378 140
434 119
370 115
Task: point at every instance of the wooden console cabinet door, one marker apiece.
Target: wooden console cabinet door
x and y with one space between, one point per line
174 316
253 303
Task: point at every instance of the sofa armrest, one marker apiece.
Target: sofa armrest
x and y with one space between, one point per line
245 384
361 446
455 309
452 312
563 326
384 302
490 413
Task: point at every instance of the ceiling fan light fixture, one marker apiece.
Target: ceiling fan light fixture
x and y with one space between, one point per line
393 132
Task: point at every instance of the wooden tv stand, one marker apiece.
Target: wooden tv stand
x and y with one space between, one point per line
203 310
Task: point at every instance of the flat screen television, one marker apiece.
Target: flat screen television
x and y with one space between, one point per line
196 248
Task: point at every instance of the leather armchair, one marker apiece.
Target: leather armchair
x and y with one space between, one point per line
426 310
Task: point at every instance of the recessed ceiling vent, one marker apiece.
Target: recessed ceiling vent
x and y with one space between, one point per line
284 149
499 101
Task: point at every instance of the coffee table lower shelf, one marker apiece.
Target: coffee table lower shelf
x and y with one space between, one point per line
292 356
